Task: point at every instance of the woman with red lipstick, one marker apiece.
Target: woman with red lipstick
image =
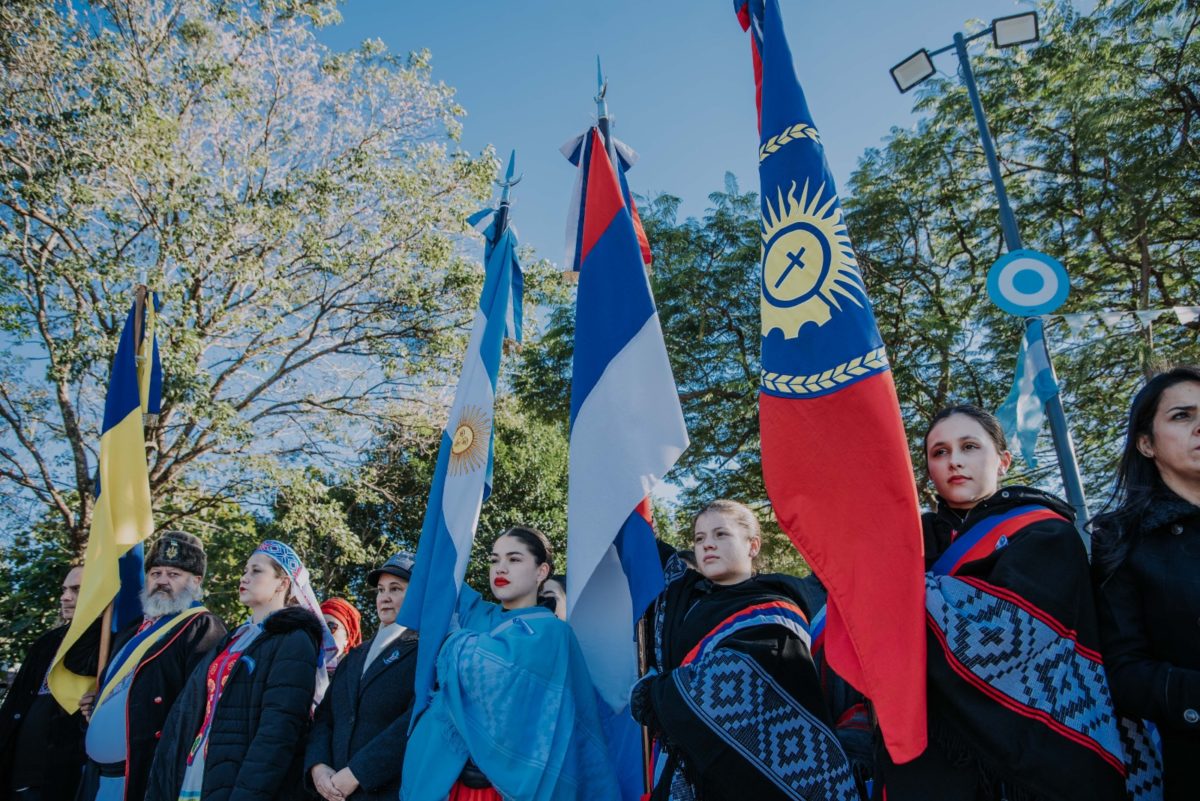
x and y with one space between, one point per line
1147 571
514 714
733 701
1018 704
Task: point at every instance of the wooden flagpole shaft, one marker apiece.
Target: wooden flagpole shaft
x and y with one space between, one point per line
643 658
105 644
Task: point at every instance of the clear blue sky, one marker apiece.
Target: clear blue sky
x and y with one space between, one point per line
680 81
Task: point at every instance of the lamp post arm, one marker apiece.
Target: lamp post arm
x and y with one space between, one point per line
1008 222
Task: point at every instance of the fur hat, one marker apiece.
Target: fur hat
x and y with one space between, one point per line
180 550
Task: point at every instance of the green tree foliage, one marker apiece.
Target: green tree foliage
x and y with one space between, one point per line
297 211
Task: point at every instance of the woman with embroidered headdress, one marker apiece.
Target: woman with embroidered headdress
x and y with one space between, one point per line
514 714
1018 704
237 731
1146 563
733 701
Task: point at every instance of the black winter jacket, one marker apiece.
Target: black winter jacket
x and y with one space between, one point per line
157 682
35 729
255 746
1148 599
363 721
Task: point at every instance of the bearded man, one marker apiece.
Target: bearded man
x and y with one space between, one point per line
150 663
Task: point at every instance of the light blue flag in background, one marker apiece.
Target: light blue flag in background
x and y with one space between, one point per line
1023 411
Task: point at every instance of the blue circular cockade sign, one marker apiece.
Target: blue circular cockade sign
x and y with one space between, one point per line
1028 283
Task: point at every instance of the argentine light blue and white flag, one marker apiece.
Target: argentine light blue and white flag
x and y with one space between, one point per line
1023 411
462 480
627 430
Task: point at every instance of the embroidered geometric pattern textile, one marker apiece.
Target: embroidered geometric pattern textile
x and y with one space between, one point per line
681 788
1007 650
288 559
1144 760
742 704
673 571
774 613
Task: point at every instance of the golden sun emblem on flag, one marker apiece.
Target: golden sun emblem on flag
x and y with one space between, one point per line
807 261
469 440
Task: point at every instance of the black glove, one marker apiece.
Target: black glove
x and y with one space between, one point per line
641 701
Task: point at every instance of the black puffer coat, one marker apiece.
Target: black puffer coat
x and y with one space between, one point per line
1147 569
256 743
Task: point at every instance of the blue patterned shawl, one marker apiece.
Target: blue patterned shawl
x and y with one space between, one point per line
514 694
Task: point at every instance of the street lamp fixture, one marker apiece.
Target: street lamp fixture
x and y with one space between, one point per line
1015 30
912 70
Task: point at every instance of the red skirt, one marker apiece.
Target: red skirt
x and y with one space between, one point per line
460 792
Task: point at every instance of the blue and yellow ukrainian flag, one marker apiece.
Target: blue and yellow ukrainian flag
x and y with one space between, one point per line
121 518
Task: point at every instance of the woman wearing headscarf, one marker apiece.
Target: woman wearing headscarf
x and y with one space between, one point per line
1146 550
345 624
356 746
734 702
1019 709
237 731
514 714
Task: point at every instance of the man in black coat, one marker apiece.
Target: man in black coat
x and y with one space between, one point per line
356 746
41 745
149 665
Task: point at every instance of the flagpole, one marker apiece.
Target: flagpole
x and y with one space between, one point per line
641 630
505 204
602 119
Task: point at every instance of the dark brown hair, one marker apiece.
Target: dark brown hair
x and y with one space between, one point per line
537 543
1138 480
987 421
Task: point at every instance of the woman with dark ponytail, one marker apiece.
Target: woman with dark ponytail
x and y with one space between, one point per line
1018 705
514 713
1146 562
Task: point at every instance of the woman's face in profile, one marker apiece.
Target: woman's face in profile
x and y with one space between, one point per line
553 588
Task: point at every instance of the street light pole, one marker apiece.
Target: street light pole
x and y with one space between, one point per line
1059 429
1008 221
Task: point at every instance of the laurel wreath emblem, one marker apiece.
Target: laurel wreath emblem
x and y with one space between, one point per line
798 131
809 384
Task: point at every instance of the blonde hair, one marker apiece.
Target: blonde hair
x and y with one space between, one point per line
280 572
742 515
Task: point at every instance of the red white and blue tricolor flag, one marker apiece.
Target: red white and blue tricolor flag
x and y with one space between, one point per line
462 479
575 151
627 431
834 451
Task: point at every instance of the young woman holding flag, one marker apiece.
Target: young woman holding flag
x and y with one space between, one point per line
1018 704
1147 568
733 678
514 714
